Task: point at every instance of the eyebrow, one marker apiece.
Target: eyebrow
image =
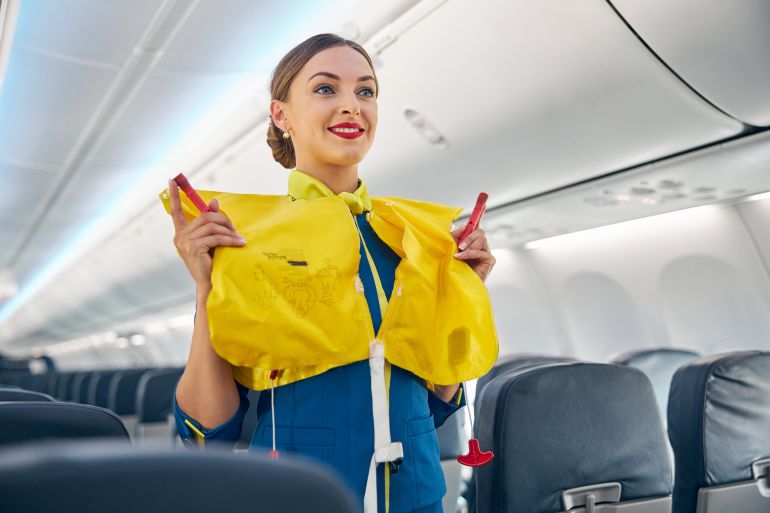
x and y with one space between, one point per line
335 77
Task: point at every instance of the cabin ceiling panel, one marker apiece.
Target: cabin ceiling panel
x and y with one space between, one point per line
548 94
722 54
17 183
45 105
81 203
161 113
231 36
103 32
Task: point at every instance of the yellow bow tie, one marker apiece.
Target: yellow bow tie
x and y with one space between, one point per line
304 186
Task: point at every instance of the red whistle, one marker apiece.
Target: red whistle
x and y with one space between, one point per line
478 211
184 184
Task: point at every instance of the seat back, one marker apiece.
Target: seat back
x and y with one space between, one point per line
129 480
35 421
19 394
64 383
565 432
154 404
504 365
80 390
719 427
122 391
659 364
99 389
155 394
516 361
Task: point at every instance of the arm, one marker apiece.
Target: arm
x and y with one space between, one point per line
193 434
442 409
207 390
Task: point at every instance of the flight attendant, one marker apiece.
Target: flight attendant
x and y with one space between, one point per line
323 121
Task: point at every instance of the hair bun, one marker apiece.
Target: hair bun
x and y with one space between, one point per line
283 149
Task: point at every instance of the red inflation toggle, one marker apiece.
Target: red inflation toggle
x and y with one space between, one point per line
475 458
274 455
273 374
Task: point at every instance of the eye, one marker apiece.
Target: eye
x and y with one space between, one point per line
323 87
370 90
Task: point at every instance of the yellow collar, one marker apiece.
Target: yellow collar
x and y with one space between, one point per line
304 186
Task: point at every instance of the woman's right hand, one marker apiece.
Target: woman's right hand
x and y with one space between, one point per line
195 240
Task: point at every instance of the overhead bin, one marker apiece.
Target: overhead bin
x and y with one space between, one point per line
530 96
718 48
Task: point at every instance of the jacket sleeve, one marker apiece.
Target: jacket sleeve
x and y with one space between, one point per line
442 410
194 435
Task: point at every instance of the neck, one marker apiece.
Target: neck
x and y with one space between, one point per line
337 178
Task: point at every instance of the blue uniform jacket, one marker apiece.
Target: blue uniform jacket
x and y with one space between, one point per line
329 416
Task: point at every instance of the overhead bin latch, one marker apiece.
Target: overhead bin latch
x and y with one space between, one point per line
760 470
587 497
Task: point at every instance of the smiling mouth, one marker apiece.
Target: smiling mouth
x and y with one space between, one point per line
347 133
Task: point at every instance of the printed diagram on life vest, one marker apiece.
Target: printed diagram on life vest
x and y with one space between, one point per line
288 274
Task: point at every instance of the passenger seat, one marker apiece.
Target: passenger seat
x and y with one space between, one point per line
36 421
97 478
719 426
154 406
577 437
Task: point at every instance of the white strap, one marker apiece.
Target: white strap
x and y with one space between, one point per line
384 449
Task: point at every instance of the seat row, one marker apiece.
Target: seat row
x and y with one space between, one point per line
584 437
142 398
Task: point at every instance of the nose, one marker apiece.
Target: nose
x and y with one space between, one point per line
351 105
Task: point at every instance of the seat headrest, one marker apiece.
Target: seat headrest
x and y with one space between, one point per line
19 394
28 421
565 425
659 364
155 394
513 362
95 477
718 421
122 394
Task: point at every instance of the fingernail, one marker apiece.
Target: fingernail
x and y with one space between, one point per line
457 254
463 245
241 240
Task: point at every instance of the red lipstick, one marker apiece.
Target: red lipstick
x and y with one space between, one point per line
348 134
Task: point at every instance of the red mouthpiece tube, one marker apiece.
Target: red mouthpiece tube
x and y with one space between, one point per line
478 211
184 184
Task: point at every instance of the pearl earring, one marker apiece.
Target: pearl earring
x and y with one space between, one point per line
286 135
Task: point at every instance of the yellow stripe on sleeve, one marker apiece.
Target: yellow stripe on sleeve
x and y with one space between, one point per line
199 436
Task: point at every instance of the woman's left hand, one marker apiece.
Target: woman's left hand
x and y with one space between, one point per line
475 251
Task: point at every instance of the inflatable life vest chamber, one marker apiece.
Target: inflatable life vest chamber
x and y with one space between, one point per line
291 298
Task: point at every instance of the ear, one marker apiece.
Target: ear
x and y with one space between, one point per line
278 113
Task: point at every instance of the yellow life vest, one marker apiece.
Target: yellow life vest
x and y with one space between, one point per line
291 298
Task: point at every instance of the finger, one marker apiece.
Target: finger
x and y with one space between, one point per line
211 217
474 254
175 204
211 229
474 240
204 244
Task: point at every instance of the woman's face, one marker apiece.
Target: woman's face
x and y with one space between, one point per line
335 86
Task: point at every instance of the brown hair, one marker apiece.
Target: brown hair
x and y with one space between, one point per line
283 76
